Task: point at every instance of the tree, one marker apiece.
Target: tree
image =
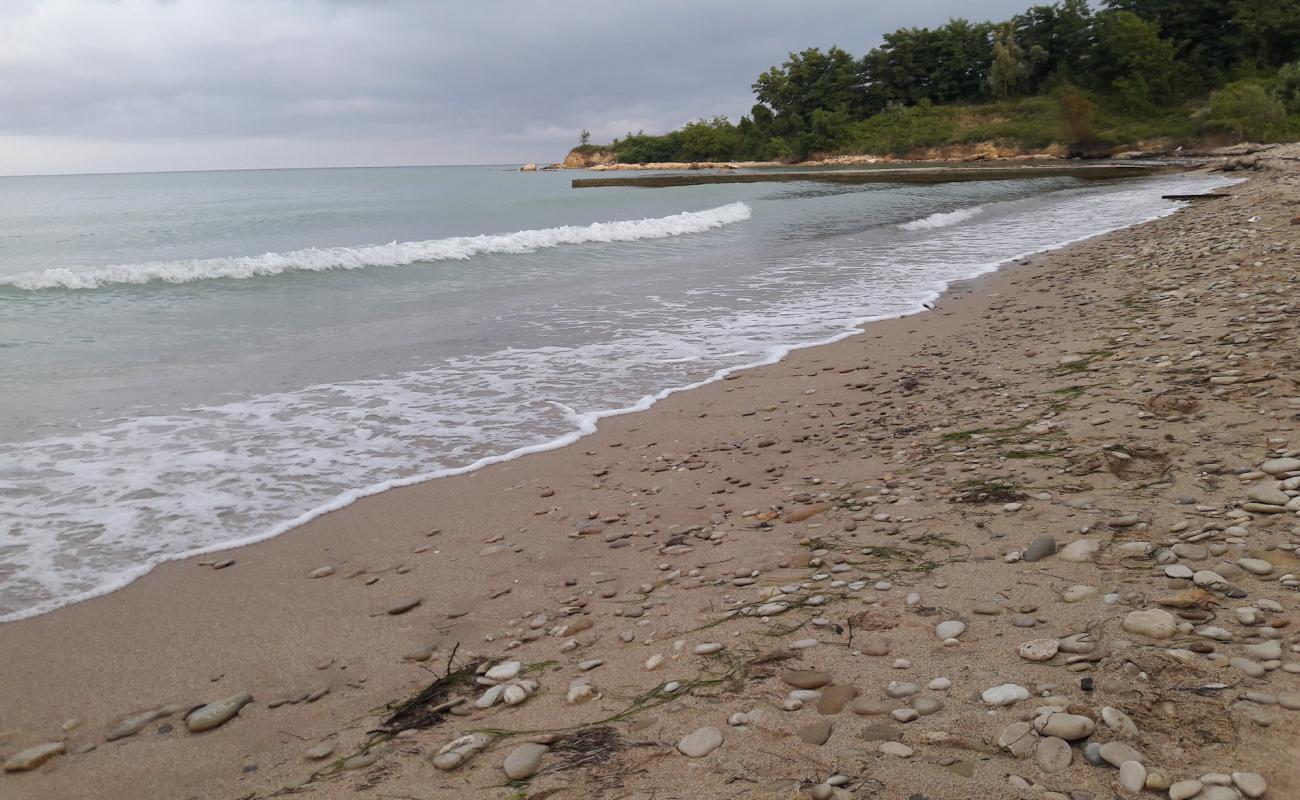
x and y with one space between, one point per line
1270 30
807 81
945 65
1058 40
1206 34
1133 60
1287 90
1009 68
584 138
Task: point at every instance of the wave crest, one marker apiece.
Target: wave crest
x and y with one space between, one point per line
395 254
942 219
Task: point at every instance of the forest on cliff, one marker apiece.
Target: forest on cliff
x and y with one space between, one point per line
1067 75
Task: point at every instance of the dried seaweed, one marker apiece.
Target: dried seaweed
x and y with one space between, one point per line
588 747
431 705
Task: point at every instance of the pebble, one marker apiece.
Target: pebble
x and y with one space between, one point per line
834 698
505 671
1079 551
708 648
925 706
1004 695
1019 738
134 724
1118 720
33 757
1133 777
897 749
898 689
460 750
1251 784
404 606
1116 753
319 751
1275 466
1268 495
867 707
1183 790
1154 623
1079 593
1039 548
1053 755
700 742
950 629
524 761
359 761
815 733
1255 566
1251 668
214 715
1039 649
1070 727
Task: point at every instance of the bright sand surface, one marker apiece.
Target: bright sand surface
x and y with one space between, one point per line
1120 392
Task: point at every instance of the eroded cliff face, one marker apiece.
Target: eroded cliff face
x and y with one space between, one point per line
585 158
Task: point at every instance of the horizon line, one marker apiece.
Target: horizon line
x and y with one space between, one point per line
248 169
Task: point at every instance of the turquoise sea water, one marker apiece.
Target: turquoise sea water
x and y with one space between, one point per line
192 360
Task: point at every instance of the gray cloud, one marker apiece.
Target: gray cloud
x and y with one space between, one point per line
105 85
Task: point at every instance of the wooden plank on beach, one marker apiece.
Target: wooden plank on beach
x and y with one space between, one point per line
922 175
1207 196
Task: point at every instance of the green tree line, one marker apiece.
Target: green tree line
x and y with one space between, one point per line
1061 73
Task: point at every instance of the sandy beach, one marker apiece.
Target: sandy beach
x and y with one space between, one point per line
1074 479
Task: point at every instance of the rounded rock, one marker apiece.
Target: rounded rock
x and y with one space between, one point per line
1133 776
214 715
1053 755
1039 649
1070 727
1004 695
950 629
700 742
524 761
1154 623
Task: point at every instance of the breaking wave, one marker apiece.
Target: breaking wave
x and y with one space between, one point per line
395 254
942 220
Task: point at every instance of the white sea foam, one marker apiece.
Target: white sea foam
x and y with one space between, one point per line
942 219
395 254
90 511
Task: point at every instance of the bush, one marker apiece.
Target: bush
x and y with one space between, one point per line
1287 90
1247 111
641 148
898 129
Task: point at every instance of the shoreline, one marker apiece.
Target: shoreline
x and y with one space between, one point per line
585 425
261 625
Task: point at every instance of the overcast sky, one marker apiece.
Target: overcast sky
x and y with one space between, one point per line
128 85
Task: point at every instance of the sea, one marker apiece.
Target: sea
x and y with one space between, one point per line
192 361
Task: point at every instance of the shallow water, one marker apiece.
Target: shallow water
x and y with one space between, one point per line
192 360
